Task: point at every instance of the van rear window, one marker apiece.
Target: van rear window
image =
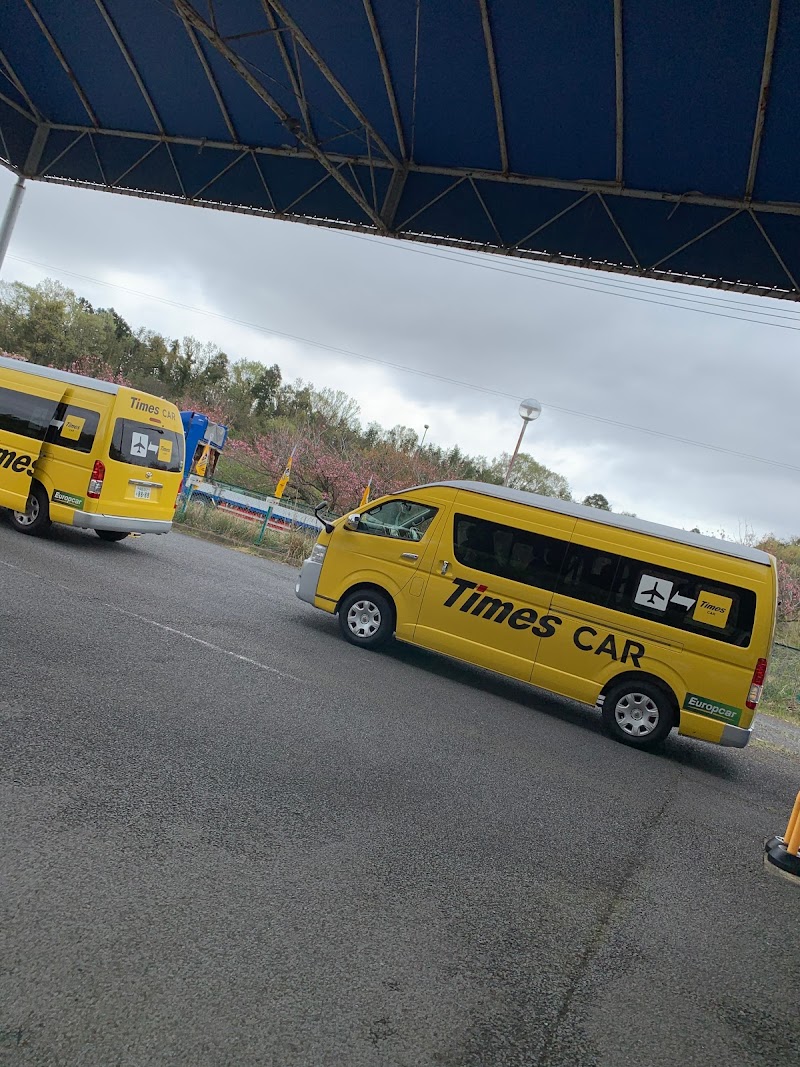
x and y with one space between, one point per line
144 445
676 598
25 414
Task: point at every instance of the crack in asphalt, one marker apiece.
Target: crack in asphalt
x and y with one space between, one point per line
618 900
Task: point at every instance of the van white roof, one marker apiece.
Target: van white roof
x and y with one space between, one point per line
58 375
608 518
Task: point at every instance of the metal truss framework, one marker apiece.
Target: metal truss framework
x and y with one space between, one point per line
378 213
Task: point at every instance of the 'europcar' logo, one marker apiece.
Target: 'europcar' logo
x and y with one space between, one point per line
16 461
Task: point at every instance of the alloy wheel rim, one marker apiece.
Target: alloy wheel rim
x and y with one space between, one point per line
637 714
363 618
26 518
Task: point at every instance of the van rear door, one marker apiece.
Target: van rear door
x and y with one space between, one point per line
26 411
144 470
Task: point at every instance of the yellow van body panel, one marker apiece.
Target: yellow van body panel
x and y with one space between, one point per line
388 563
690 614
457 632
19 451
138 439
597 642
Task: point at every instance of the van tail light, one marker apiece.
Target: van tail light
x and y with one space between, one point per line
96 480
756 685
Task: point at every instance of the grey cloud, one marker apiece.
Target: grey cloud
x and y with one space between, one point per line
697 376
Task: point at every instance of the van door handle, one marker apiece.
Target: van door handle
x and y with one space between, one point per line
445 565
409 555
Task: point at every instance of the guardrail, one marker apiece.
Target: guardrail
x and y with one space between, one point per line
268 511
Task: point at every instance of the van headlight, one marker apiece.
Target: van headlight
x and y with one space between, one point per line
317 553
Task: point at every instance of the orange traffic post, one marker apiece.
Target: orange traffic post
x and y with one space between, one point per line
792 835
781 853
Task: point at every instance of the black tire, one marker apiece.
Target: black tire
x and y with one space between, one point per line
111 535
366 618
638 713
35 520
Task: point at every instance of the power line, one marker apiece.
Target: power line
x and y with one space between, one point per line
639 284
646 285
598 287
534 267
350 353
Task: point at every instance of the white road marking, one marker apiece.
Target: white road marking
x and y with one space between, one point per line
161 626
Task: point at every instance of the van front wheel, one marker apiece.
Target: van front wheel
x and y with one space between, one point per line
366 618
35 519
638 713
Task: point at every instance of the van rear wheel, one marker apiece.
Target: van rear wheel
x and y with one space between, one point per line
111 535
638 713
366 618
35 519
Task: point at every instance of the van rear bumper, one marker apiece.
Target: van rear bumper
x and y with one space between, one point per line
734 736
704 728
88 521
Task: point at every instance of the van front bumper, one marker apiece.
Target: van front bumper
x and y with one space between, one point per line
306 587
89 521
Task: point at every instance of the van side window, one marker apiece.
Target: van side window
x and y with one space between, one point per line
521 555
674 598
404 519
588 574
685 601
25 414
73 427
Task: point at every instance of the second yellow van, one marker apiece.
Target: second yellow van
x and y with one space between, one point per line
86 453
657 627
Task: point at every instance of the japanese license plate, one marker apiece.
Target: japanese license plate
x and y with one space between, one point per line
141 492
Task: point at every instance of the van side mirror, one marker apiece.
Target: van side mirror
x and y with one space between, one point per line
327 526
352 521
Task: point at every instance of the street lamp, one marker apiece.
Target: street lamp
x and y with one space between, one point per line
528 411
422 442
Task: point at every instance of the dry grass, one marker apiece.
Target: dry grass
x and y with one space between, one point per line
782 690
291 546
297 544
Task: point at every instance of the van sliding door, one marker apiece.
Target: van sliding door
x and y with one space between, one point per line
491 585
25 415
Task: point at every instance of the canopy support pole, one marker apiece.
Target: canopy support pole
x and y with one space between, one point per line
10 217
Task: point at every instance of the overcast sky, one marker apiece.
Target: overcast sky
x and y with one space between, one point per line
525 330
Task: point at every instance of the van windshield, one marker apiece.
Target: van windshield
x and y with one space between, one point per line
145 445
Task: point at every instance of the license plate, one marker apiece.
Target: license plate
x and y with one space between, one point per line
141 492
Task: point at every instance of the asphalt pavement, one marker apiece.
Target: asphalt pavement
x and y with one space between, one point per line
230 838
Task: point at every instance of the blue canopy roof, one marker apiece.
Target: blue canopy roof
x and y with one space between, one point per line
632 135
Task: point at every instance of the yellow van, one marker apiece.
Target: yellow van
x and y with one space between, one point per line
655 626
86 453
